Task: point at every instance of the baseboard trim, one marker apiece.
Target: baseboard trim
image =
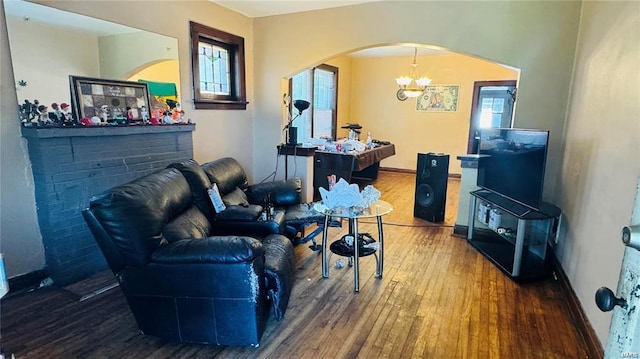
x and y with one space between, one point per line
579 318
26 281
594 348
460 230
404 170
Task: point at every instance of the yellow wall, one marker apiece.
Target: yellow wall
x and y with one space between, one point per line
20 238
218 133
600 171
124 54
165 71
537 37
375 107
594 186
45 62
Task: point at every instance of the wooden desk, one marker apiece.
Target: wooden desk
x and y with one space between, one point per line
348 166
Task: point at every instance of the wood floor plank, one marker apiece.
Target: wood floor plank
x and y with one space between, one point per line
438 298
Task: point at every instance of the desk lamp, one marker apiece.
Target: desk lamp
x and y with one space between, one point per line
300 105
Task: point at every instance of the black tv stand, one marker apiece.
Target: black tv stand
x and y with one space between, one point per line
506 204
518 244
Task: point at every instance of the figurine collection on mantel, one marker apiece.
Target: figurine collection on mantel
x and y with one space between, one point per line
34 114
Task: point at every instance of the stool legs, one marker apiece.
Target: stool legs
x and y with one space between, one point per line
380 263
325 230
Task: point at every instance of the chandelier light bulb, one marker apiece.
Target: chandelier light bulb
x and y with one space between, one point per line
413 85
423 81
404 81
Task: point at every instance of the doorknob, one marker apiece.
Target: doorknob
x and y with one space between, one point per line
631 236
606 300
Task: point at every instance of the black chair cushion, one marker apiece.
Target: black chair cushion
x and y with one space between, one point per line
227 173
199 183
280 193
134 214
235 198
229 249
190 224
240 213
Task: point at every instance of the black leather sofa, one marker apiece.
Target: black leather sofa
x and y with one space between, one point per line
182 282
244 202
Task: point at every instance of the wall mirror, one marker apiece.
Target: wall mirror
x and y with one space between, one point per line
48 45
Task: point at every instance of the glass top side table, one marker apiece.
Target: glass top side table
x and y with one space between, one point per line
377 210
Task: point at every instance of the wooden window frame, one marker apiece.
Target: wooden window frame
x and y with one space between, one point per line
472 144
237 100
334 117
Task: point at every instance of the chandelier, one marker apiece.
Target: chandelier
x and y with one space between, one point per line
412 85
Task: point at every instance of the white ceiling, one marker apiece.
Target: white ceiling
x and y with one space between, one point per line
36 13
398 51
253 8
43 14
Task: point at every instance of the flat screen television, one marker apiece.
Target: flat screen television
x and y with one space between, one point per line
514 163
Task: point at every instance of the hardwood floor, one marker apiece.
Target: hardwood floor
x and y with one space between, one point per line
439 298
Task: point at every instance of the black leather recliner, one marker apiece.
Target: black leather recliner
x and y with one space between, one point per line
181 283
244 202
240 217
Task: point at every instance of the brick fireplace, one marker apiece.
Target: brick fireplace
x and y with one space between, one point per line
72 164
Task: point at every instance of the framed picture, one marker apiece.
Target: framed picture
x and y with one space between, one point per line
438 98
112 101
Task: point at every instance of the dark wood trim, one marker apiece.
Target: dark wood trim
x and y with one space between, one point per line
237 100
404 170
219 105
397 170
580 320
460 231
474 107
23 282
334 117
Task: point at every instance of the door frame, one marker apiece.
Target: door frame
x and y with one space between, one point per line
473 126
334 117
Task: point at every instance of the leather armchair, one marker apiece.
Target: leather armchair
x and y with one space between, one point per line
229 175
181 282
285 195
244 202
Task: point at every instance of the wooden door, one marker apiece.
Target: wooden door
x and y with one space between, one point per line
492 107
624 332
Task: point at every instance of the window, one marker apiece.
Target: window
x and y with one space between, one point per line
218 69
319 86
491 107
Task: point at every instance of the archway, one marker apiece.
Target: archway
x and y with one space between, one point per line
367 76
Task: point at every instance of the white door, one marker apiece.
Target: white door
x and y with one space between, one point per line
624 332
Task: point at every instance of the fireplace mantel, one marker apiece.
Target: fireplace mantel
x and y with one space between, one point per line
70 165
51 132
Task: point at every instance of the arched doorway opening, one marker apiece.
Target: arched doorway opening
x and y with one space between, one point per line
366 94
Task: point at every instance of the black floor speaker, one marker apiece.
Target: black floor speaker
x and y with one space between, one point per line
432 173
